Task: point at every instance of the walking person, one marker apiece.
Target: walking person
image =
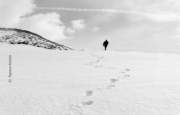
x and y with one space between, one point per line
105 44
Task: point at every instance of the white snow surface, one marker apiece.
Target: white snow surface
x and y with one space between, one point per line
47 82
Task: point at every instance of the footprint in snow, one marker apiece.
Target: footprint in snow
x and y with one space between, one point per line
112 68
101 57
97 61
127 69
88 93
98 66
126 75
113 80
75 109
90 102
111 86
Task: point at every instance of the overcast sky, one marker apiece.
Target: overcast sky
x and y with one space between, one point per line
143 25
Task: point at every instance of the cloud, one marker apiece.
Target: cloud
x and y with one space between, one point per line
78 24
129 24
83 10
11 11
70 31
95 29
47 25
149 14
17 14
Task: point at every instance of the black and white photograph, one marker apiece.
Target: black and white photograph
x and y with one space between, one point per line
89 57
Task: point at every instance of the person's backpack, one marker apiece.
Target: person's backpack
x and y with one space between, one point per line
104 44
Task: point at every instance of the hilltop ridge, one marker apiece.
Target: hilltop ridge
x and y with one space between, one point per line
18 36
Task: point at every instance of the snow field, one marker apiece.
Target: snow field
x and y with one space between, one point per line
46 82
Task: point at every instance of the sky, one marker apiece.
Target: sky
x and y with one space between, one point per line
140 25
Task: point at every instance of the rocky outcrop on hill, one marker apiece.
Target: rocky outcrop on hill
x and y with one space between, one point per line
17 36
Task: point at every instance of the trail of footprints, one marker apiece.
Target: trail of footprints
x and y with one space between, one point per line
77 108
114 80
94 63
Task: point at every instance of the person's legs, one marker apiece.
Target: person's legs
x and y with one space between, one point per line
106 46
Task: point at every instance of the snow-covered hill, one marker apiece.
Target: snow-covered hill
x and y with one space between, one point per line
17 36
45 82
